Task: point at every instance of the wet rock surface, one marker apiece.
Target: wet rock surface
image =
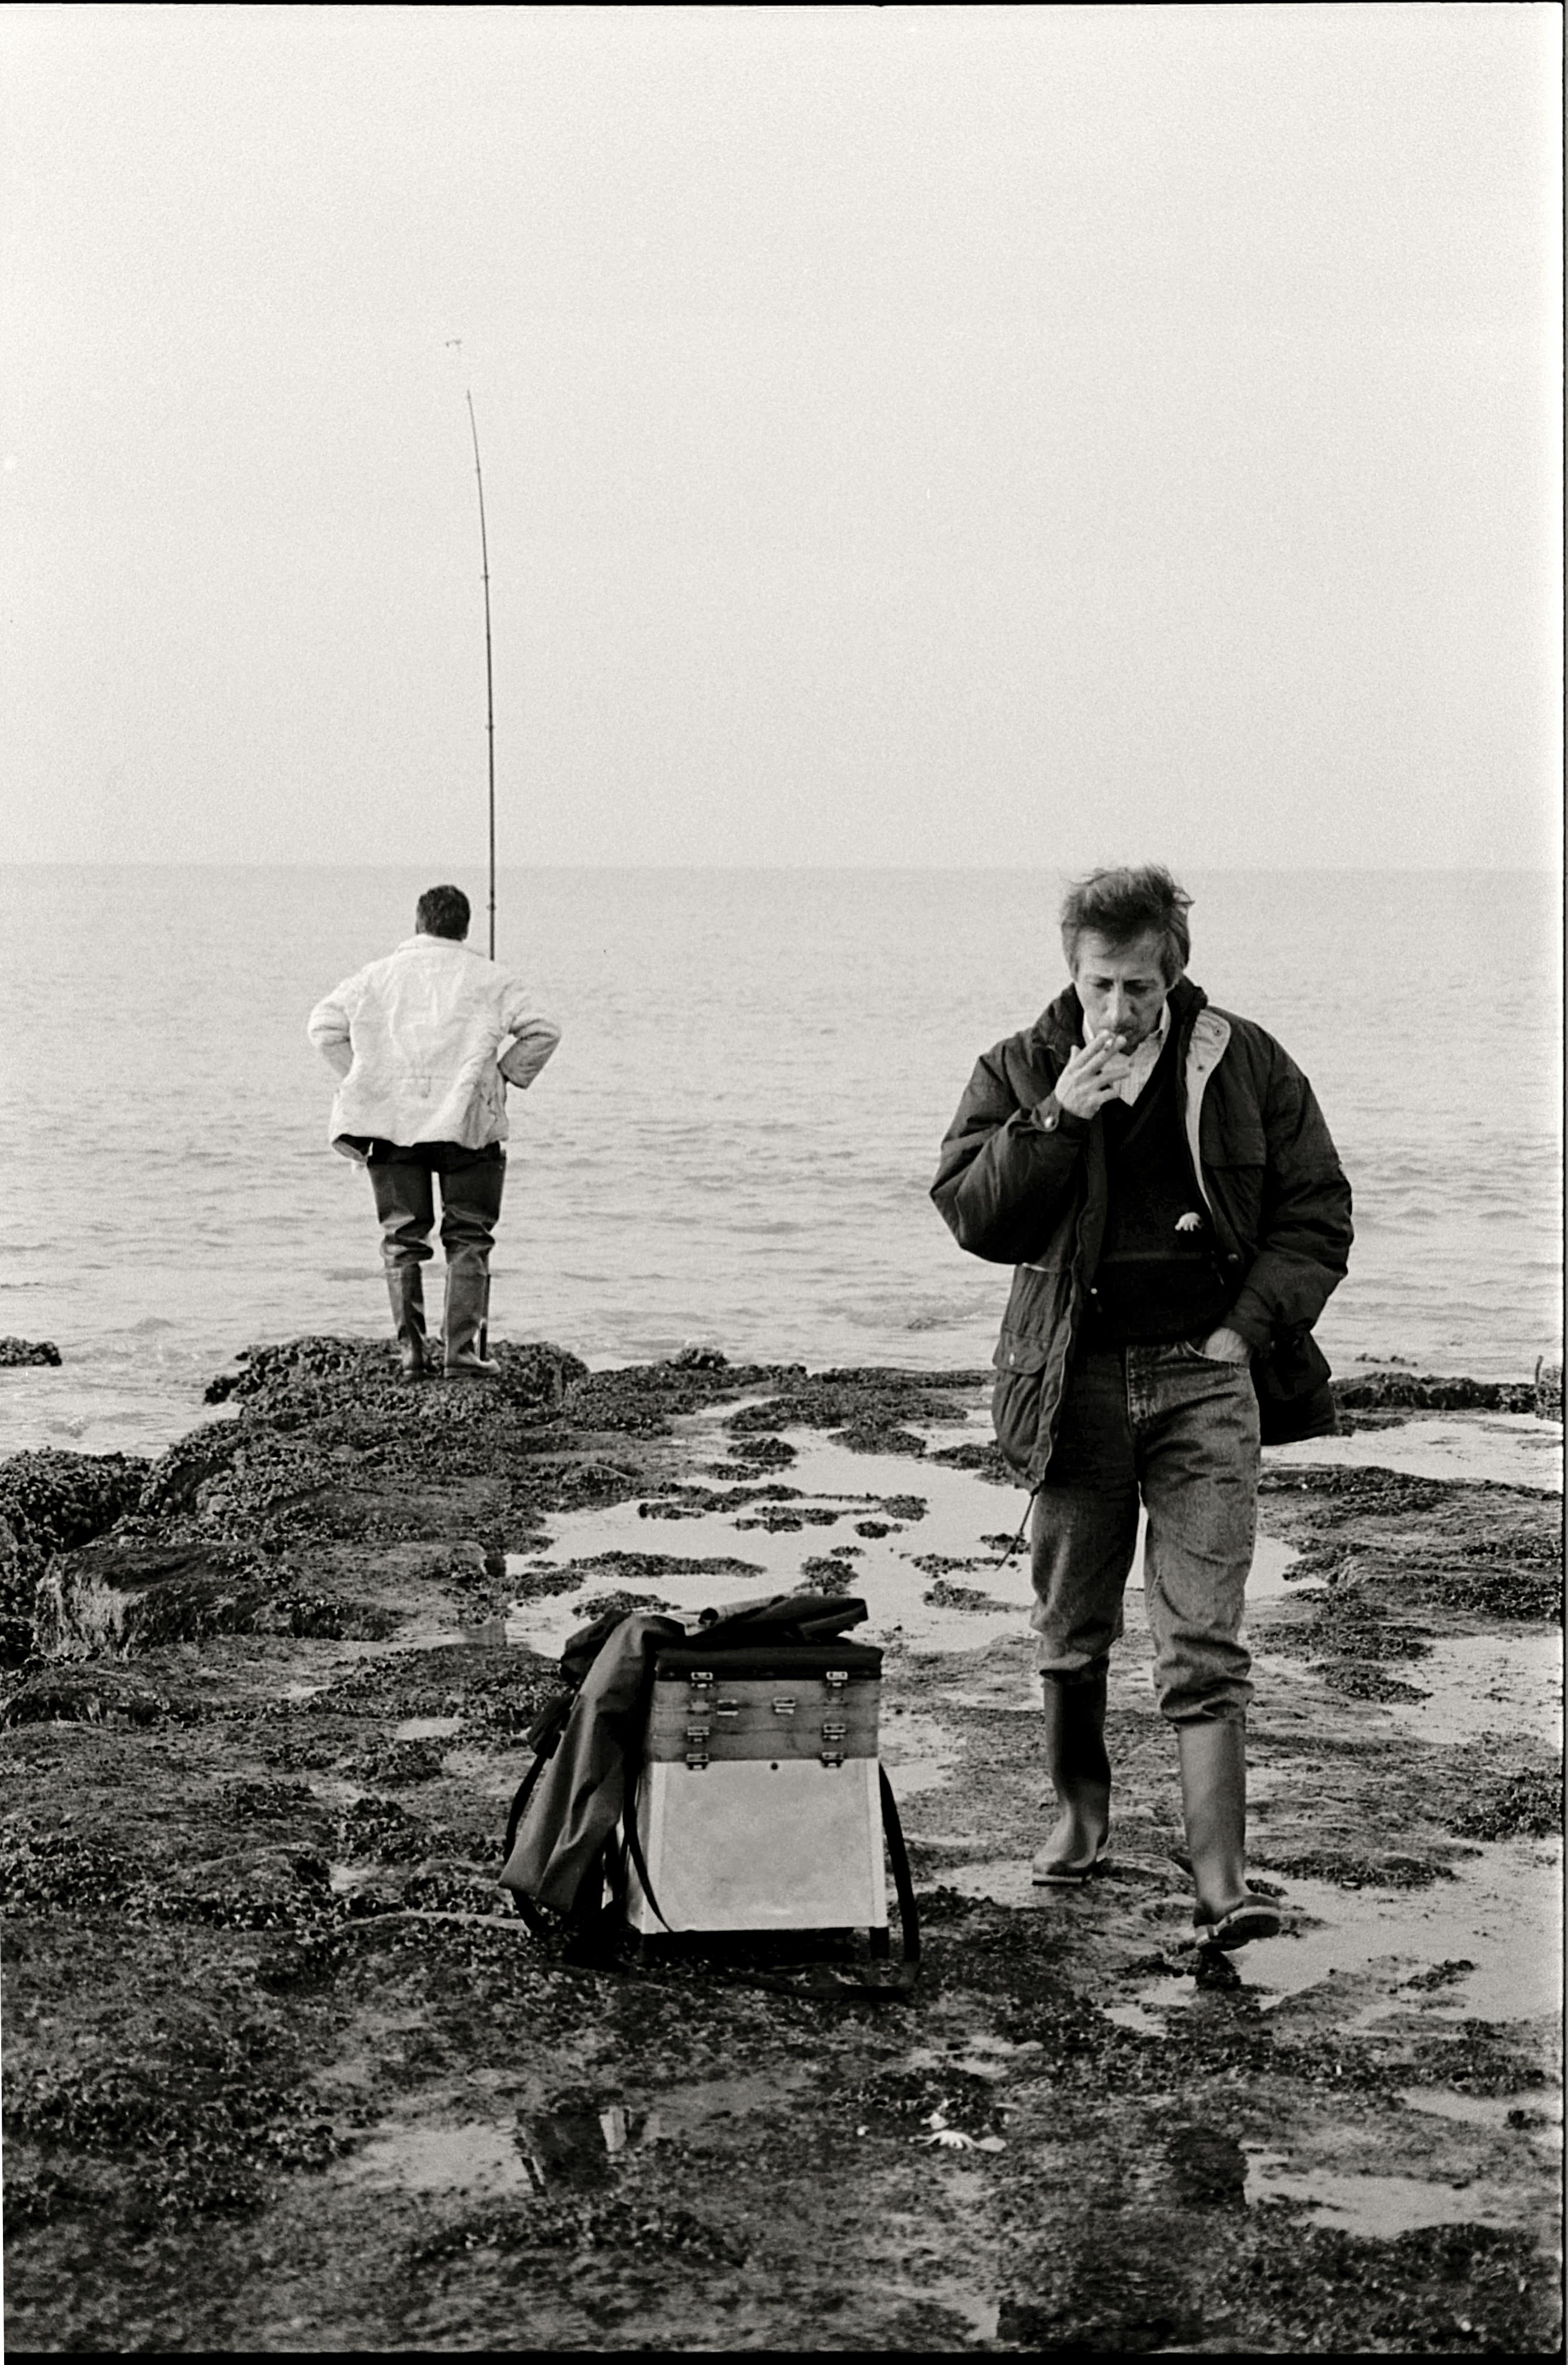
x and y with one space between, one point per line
280 2074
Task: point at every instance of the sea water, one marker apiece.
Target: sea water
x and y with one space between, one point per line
735 1141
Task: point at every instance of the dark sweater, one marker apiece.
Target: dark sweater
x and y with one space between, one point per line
1158 1278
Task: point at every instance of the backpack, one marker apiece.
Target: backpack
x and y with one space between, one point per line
574 1859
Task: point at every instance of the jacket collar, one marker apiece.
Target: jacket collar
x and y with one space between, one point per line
1061 1023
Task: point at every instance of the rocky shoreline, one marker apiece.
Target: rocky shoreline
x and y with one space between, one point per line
281 2073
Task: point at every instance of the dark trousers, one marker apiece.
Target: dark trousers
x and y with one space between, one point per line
403 1184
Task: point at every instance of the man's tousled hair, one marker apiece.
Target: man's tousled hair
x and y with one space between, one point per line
1124 904
442 911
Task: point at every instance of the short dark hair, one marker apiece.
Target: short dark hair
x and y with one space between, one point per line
442 911
1122 905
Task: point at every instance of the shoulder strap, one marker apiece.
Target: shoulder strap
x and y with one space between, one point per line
634 1844
907 1970
545 1736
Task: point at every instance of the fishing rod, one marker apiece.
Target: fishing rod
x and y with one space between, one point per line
490 674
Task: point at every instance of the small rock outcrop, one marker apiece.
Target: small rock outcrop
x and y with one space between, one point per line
122 1596
101 1694
49 1503
307 1376
1372 1391
16 1353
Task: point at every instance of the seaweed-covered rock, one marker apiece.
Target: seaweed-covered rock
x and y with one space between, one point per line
50 1501
873 1407
101 1694
236 1485
982 1458
1524 1806
317 1373
14 1353
264 1368
1370 1391
125 1596
176 1478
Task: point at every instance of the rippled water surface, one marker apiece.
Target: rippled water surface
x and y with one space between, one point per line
736 1138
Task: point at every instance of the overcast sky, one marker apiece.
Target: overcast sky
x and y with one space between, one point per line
909 435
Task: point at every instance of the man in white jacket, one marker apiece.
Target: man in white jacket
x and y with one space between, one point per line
416 1043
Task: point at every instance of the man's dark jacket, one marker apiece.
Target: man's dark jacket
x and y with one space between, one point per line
1022 1181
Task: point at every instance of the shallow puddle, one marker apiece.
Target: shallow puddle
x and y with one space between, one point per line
1487 1682
477 2157
1380 2207
965 1596
1134 2016
1542 2103
1512 1449
1502 1914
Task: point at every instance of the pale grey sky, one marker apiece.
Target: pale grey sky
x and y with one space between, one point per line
1021 435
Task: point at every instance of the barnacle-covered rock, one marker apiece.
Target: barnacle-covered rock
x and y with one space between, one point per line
191 1463
50 1501
102 1693
124 1597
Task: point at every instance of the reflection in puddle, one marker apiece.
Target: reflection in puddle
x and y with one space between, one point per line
1501 1916
1543 2104
580 2147
1378 2206
589 2139
426 1728
1497 1925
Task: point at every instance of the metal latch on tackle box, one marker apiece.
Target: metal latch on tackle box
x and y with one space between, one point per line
720 1715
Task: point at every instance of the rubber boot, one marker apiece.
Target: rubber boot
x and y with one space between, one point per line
464 1328
405 1287
1213 1756
1080 1772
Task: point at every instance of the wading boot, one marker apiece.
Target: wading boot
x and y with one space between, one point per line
1213 1805
406 1290
1080 1771
462 1325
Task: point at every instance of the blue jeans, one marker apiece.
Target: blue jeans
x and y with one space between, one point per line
1168 1425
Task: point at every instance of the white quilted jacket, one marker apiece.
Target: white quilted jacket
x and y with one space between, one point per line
416 1042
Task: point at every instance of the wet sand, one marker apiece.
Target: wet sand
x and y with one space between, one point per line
282 2073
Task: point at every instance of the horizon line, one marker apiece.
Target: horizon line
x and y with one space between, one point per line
1545 870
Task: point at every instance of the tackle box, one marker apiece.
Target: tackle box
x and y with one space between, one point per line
758 1805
